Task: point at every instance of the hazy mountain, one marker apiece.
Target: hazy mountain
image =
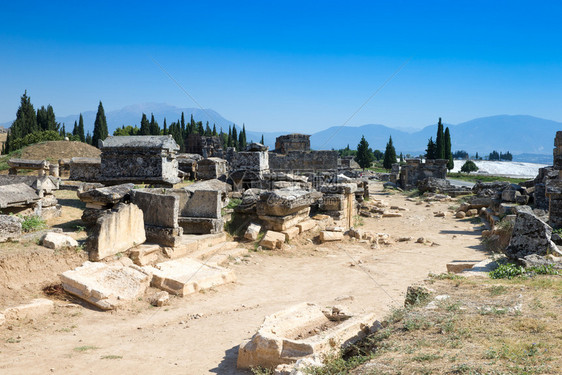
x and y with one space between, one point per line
528 138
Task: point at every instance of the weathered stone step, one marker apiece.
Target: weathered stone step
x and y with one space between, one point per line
223 257
206 252
193 242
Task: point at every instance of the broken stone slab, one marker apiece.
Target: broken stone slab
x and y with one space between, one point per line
36 308
56 241
272 240
144 254
105 286
10 228
186 276
252 232
333 202
281 223
392 214
291 233
17 194
300 331
285 202
203 203
164 236
460 266
327 236
106 195
530 235
339 188
117 231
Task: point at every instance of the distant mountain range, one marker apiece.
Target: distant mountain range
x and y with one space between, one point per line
528 138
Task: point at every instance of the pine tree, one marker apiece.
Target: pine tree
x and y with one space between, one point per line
81 129
215 130
448 153
389 155
144 126
24 124
208 131
431 149
100 127
200 129
440 142
364 156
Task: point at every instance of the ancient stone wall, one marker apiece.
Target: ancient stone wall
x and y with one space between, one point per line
211 168
85 169
204 145
416 170
311 161
292 142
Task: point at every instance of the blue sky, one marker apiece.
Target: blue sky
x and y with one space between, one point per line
289 66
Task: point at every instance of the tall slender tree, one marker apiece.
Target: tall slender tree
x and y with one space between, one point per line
25 122
431 150
389 155
234 137
100 127
262 141
81 129
144 126
440 142
154 128
164 128
448 153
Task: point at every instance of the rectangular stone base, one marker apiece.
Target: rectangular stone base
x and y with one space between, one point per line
200 225
163 236
190 243
281 223
186 276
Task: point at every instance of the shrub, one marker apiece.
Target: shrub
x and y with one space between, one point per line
507 271
32 223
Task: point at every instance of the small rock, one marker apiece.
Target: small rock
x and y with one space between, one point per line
58 241
420 240
460 215
160 299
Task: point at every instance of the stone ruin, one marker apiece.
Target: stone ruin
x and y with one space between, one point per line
292 142
187 163
212 168
416 170
85 169
43 167
206 146
139 159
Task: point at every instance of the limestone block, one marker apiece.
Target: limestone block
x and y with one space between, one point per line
295 333
333 202
280 223
36 308
306 225
203 203
457 267
200 225
339 188
160 210
326 236
48 200
10 228
51 212
285 202
291 233
392 214
104 286
272 240
472 212
509 195
164 236
117 231
17 194
57 241
144 254
186 276
106 195
252 232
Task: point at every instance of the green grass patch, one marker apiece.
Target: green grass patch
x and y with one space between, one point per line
85 348
32 223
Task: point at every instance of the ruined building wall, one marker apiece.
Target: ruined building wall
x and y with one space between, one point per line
303 161
415 170
292 142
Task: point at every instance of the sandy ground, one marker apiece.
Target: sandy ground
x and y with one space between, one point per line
200 334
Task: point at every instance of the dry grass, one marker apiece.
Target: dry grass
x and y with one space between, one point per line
485 327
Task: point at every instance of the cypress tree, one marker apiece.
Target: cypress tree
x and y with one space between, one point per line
182 123
208 131
261 141
448 153
243 142
154 128
81 129
165 130
75 128
144 126
215 130
63 131
89 138
234 137
364 156
440 142
192 127
100 126
431 149
389 155
25 122
229 138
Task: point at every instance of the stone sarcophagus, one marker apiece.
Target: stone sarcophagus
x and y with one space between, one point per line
139 159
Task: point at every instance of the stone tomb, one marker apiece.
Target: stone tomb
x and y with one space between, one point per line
139 159
302 331
85 169
211 168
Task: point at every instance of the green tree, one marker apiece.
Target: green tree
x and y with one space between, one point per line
242 138
215 130
100 126
126 130
431 149
89 138
389 155
262 141
144 126
448 153
81 129
364 156
469 166
46 119
440 142
153 127
164 128
25 122
234 137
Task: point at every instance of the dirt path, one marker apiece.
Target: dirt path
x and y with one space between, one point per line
200 334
